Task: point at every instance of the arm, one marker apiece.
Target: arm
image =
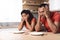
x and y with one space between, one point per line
21 25
53 26
31 27
38 25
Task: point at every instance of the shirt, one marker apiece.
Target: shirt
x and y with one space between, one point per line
55 16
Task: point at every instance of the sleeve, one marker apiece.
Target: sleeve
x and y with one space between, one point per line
33 20
57 17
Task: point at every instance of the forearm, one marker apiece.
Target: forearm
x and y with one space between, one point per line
38 25
29 26
38 21
20 26
52 26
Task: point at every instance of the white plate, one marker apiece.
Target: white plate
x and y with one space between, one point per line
37 33
18 32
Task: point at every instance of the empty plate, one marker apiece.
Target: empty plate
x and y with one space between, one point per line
18 32
37 33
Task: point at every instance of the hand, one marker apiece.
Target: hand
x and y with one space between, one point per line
46 13
26 18
39 13
22 19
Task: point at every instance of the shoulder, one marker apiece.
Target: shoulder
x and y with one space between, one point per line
55 13
56 16
33 19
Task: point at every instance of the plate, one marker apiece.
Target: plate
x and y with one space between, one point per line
37 33
18 32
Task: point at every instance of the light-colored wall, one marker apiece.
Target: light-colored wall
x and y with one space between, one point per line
10 10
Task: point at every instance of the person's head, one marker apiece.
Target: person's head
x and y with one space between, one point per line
27 13
42 8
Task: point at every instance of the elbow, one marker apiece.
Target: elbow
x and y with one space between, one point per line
31 29
19 29
55 31
37 30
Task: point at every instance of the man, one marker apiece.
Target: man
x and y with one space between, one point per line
51 20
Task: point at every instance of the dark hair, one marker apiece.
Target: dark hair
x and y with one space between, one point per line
43 5
28 12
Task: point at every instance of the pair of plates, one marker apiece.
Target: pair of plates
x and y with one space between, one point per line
32 33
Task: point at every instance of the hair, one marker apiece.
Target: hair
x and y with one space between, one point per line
30 14
43 5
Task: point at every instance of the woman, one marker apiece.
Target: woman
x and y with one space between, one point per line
28 20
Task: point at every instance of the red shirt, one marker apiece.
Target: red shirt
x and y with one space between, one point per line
55 16
33 20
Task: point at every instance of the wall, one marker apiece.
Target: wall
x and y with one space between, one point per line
10 10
